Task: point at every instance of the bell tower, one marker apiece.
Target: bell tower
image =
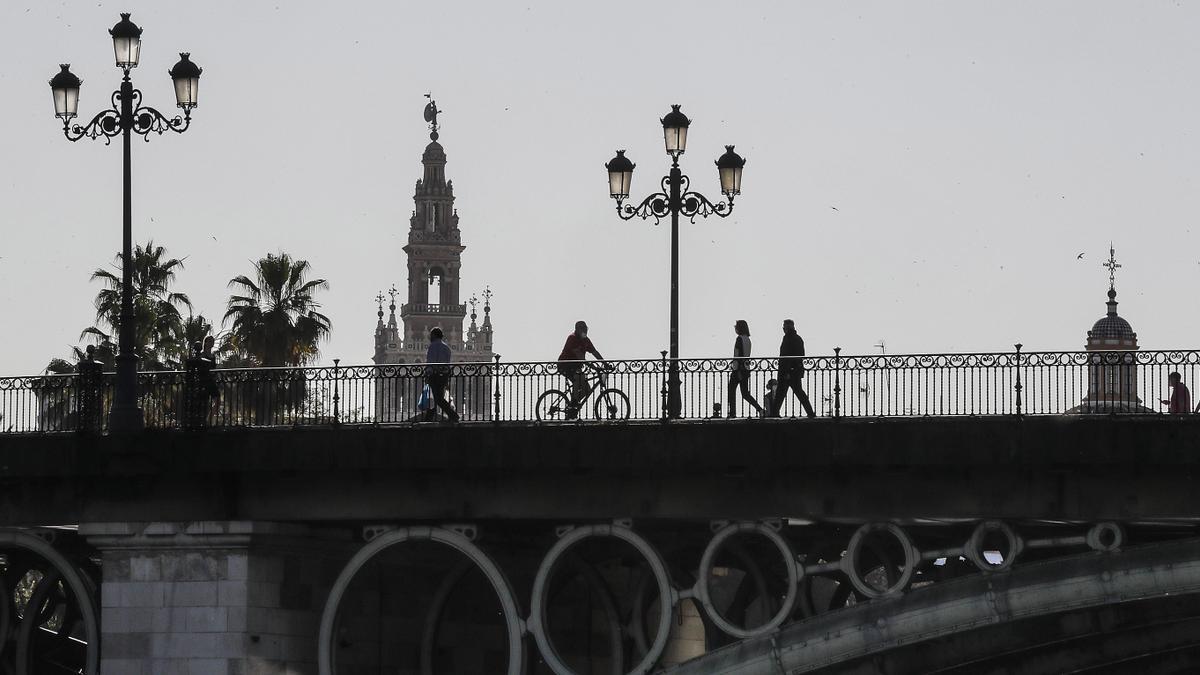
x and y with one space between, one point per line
434 250
433 297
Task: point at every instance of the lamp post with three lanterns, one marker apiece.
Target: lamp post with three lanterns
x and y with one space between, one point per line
126 115
675 199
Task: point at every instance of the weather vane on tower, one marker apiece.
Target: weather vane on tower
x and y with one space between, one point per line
1112 266
431 113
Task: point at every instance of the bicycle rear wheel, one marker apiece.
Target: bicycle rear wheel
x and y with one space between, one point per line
552 406
612 404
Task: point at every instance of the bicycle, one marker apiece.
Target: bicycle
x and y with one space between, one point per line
611 403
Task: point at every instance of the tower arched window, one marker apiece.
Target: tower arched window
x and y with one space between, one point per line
437 278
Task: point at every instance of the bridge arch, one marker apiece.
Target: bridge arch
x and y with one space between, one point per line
871 631
514 626
668 595
80 600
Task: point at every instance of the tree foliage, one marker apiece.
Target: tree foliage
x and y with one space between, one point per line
273 317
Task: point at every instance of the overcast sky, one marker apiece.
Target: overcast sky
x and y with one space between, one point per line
925 173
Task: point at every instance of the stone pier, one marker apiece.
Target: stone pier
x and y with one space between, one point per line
212 597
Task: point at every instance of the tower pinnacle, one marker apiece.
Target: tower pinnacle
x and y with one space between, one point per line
431 113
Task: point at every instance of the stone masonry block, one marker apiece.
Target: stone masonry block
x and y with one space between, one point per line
192 594
262 594
145 568
194 566
115 666
125 645
116 567
141 594
231 593
237 567
210 667
207 619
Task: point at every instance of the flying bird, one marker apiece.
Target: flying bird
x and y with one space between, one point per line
1079 257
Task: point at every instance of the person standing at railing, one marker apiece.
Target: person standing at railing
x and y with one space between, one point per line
1180 402
739 373
791 370
208 381
570 365
437 377
769 396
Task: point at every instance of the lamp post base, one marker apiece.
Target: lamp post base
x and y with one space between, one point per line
126 419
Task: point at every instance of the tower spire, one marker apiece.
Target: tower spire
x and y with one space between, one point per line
379 301
487 308
473 302
1112 266
392 306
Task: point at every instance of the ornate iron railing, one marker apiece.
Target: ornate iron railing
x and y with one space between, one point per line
1003 383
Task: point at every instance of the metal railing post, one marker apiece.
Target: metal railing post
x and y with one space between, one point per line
665 395
336 398
1017 387
837 382
496 389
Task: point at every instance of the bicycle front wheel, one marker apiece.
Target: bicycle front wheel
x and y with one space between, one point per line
612 404
552 406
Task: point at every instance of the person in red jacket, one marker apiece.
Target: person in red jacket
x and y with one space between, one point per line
1180 402
570 364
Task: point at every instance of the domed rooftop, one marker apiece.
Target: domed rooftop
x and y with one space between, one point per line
1112 326
434 152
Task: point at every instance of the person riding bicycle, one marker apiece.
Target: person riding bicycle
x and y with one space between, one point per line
570 364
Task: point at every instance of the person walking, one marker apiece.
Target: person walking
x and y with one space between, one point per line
1180 402
437 377
791 370
739 373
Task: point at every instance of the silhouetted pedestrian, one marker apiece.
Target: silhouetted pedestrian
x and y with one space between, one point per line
769 397
739 373
1180 402
791 370
437 377
208 362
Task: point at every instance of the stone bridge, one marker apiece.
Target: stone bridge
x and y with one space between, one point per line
970 544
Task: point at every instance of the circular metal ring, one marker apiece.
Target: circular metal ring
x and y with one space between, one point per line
794 571
974 547
76 582
854 550
504 592
666 594
1106 537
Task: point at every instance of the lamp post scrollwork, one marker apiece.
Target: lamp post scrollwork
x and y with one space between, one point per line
676 199
128 115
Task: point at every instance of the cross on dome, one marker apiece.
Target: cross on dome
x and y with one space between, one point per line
1112 266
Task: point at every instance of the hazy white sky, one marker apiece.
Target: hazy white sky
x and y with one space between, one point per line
923 172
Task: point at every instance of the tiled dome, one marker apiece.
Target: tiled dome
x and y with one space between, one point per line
1112 326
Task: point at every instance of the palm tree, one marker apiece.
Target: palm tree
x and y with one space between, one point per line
274 319
274 322
159 328
161 337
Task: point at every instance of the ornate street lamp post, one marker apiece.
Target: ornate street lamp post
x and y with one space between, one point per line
676 198
126 115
